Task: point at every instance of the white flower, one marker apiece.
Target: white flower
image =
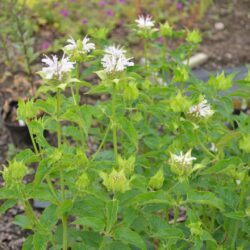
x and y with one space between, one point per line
203 109
145 22
115 60
56 68
72 44
213 148
86 45
182 159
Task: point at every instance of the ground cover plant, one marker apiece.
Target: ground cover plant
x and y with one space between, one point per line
170 172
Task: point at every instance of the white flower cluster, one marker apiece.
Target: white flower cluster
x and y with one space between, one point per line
182 159
145 22
56 68
115 60
86 45
203 109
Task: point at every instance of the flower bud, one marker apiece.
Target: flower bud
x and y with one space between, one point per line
157 180
82 182
166 30
220 82
244 143
182 164
131 92
116 181
126 165
180 74
195 228
26 110
180 103
194 37
14 173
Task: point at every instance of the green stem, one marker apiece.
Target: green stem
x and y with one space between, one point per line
102 143
114 123
76 84
164 53
176 214
58 118
65 232
235 229
145 43
64 217
73 94
32 140
206 150
52 190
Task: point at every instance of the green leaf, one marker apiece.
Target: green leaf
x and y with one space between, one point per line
129 130
23 221
157 197
126 235
169 233
96 223
6 205
40 241
206 198
111 213
223 165
49 217
64 207
6 193
28 243
236 215
41 172
27 156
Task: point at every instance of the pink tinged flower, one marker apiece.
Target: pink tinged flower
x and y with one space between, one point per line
72 1
145 22
110 13
122 1
64 12
160 40
84 21
102 3
45 45
179 6
55 68
114 59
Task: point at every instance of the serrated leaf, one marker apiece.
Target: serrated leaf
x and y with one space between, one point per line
23 221
223 165
40 241
6 205
111 213
48 217
96 223
28 243
206 198
64 207
27 156
129 130
126 235
236 215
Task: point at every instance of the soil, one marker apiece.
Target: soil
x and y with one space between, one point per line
226 28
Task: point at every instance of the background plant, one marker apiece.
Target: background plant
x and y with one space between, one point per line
164 148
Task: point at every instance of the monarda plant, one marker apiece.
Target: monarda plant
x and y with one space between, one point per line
167 172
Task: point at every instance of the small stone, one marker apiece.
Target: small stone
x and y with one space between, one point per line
228 56
219 26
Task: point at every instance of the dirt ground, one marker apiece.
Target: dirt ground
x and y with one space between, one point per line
226 28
